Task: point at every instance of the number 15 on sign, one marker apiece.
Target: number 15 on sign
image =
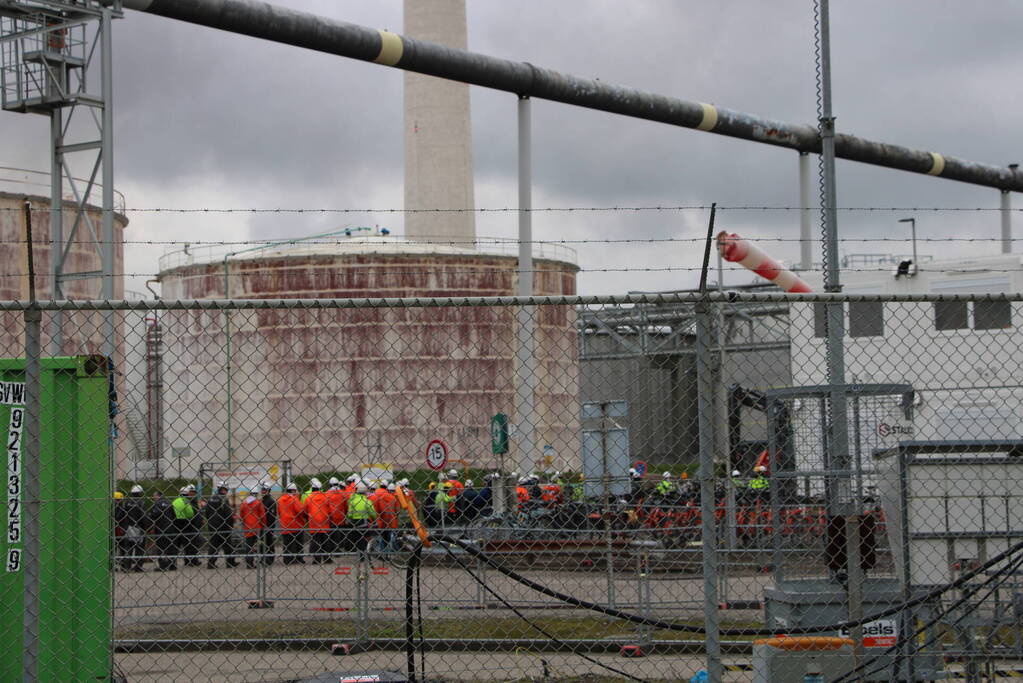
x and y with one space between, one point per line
436 454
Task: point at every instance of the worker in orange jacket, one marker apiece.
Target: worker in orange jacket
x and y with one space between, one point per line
337 506
253 516
317 509
551 495
522 493
454 485
291 515
386 504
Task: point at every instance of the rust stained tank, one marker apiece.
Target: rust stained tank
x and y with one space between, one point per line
83 332
334 388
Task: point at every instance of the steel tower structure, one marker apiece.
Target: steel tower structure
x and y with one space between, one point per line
48 65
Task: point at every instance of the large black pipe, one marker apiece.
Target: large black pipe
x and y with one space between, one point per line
301 29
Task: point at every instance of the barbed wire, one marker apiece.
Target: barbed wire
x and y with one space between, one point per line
486 241
457 271
547 209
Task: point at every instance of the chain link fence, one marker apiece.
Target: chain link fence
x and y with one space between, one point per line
647 488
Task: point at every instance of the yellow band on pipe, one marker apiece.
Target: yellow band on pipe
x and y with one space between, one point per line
710 117
937 164
390 48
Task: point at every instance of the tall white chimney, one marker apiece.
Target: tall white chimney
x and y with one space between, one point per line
438 133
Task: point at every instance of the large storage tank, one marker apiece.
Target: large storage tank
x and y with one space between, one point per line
82 332
333 388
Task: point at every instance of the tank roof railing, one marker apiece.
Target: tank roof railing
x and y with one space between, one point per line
347 241
26 181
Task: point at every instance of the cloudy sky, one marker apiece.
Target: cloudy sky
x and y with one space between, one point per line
205 119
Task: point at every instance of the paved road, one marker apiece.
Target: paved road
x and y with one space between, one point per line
197 594
278 667
215 602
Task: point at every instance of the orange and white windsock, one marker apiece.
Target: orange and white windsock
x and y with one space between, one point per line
748 255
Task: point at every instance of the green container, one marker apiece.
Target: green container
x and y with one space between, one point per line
74 525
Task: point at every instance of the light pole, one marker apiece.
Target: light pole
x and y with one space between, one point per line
912 226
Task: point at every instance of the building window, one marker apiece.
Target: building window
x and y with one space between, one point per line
950 315
987 315
866 319
820 319
992 315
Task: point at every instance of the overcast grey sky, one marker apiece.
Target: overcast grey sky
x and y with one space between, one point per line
208 119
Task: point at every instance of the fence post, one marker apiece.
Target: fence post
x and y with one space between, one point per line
362 596
708 531
261 575
30 468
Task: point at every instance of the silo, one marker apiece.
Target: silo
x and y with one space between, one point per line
82 332
333 388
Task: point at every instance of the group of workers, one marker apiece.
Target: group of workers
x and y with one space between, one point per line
346 516
450 499
560 488
682 488
340 517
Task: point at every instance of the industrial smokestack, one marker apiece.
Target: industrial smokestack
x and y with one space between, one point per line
438 136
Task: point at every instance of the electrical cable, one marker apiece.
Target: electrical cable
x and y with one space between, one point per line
526 619
1001 576
690 628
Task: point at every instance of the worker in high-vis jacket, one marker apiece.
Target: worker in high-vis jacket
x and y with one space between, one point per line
386 505
665 487
253 516
317 509
760 485
444 502
185 510
337 505
360 517
291 516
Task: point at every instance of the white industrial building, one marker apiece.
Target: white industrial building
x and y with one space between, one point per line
962 359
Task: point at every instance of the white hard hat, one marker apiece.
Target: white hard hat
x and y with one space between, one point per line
666 475
292 486
468 482
315 483
453 474
183 490
391 486
523 480
403 482
190 488
632 470
360 487
352 477
334 481
735 473
222 485
136 489
266 486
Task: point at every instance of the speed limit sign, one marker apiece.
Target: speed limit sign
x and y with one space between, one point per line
436 454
